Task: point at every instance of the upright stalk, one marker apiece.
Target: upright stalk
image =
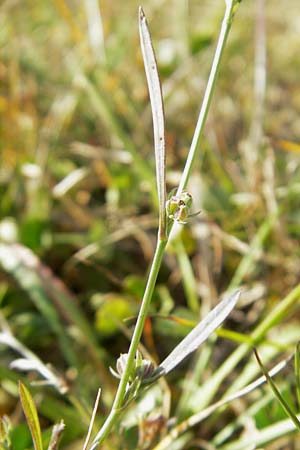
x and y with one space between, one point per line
161 243
225 28
117 405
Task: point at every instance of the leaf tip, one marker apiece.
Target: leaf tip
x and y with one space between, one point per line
21 386
141 13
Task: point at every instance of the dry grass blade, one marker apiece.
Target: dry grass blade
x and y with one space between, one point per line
92 420
56 435
157 116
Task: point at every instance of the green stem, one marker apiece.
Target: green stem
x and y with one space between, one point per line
225 28
117 405
161 244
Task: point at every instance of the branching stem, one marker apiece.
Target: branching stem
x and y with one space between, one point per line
161 243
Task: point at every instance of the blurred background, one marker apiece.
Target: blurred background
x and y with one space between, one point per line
78 207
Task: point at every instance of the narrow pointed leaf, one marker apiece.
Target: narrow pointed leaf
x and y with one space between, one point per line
277 393
92 420
200 333
31 416
157 117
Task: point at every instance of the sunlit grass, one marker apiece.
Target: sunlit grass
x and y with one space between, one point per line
77 192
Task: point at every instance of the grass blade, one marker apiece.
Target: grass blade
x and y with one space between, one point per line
200 416
157 117
200 333
262 437
92 420
51 297
277 393
31 416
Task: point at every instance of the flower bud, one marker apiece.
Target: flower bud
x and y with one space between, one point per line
146 369
121 363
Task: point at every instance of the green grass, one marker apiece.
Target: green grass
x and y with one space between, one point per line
76 112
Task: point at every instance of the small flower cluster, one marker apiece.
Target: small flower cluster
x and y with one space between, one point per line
142 373
178 207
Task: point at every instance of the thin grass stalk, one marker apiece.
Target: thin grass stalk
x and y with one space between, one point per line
92 420
284 404
213 76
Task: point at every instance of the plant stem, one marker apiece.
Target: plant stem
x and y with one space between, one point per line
117 405
161 243
225 28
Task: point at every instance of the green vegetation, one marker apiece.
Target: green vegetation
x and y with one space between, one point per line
79 218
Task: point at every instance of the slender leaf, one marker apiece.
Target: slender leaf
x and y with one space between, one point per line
92 420
157 116
200 333
277 393
31 416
